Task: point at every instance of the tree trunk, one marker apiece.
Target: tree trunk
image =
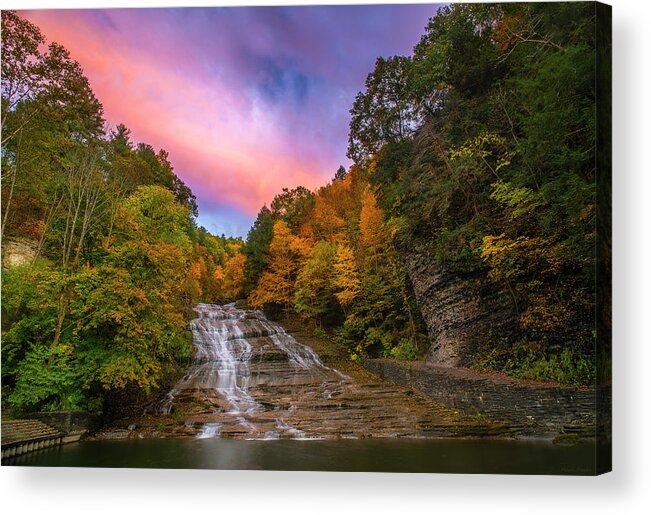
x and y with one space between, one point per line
11 194
61 315
11 189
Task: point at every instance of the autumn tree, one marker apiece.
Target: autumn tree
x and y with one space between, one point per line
346 275
233 277
314 296
287 253
46 103
325 220
371 224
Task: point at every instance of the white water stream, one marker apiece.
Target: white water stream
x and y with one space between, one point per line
226 339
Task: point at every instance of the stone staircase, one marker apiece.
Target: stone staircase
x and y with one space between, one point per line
21 436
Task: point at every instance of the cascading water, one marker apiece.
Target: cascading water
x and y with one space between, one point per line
237 351
252 380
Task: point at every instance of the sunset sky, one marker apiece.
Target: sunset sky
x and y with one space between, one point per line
247 100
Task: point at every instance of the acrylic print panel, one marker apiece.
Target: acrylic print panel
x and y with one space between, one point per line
343 238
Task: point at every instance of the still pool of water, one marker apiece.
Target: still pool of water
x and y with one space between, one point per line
379 455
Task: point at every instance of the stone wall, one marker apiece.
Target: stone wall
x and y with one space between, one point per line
23 436
539 408
69 422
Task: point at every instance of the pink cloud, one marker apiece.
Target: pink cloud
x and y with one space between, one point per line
226 146
245 100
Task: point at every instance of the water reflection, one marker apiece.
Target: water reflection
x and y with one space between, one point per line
381 455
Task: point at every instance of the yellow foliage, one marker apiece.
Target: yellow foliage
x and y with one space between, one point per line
371 223
233 277
510 258
347 276
287 254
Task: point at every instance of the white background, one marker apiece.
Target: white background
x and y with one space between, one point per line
626 490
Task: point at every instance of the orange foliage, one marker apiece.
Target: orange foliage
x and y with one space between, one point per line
218 274
194 279
371 222
325 220
507 32
233 277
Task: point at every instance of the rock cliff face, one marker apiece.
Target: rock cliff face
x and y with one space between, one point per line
461 310
17 251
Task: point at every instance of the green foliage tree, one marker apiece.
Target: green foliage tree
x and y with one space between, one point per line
340 174
256 249
384 112
47 103
314 296
292 206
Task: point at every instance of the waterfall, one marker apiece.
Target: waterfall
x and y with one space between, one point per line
209 430
236 350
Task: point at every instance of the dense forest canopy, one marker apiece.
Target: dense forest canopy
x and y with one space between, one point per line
478 149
